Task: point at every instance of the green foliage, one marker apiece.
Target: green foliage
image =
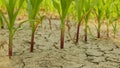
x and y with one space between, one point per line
47 5
33 7
12 13
56 4
10 21
79 8
99 8
62 7
87 9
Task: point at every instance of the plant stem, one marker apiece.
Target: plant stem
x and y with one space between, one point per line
10 44
62 35
98 34
98 30
2 25
32 42
78 29
86 32
50 24
62 39
107 30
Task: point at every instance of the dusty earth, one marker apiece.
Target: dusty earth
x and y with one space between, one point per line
97 53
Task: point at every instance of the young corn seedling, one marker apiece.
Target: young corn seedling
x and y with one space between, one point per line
108 13
33 8
86 27
87 11
99 11
115 25
113 20
79 8
62 8
10 21
114 29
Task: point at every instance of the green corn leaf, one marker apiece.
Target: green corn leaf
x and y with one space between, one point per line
4 18
80 7
10 5
87 9
33 7
62 8
56 5
20 23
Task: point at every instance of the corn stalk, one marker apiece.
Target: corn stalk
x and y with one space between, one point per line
10 5
108 13
62 8
80 5
113 19
33 8
99 11
87 10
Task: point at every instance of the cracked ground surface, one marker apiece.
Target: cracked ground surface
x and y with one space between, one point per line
101 53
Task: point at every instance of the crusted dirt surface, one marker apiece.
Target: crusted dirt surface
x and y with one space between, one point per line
96 53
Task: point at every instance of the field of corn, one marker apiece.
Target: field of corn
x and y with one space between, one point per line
59 34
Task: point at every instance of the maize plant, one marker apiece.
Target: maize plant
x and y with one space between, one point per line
10 21
99 11
114 28
114 25
33 7
108 13
62 8
79 8
87 11
114 19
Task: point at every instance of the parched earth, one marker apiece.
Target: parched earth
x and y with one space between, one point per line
97 53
